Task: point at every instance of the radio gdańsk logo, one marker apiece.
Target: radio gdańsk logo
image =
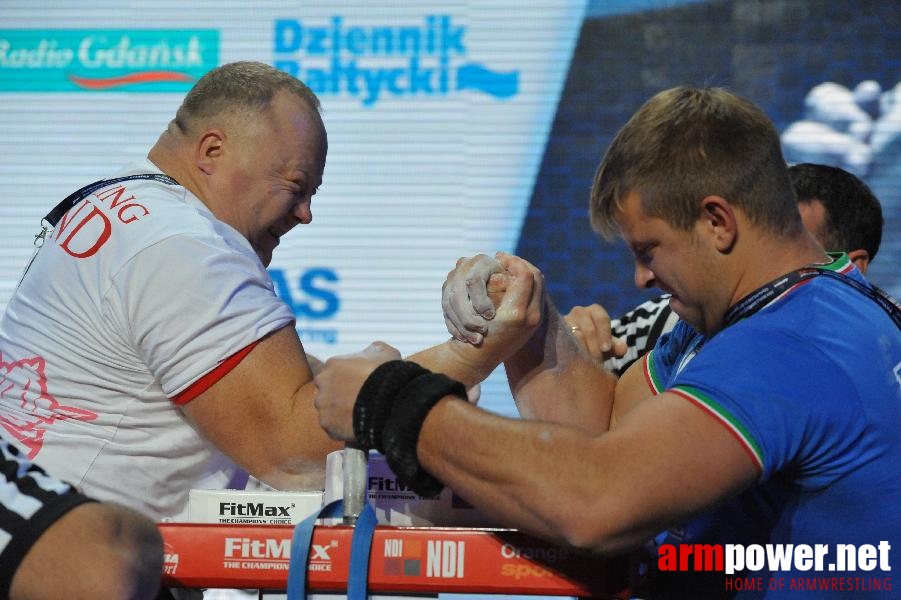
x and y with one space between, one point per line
72 60
374 62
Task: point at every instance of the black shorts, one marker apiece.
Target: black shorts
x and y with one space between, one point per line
30 502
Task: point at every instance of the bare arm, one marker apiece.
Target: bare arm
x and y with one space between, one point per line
553 379
607 493
314 363
665 461
261 415
550 376
593 329
632 389
96 550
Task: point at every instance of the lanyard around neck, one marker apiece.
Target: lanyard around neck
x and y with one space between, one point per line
762 296
765 294
74 198
53 217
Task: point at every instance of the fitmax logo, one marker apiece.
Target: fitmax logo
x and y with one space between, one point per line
267 548
252 509
374 61
385 484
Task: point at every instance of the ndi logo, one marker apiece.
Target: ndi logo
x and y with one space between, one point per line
71 60
374 61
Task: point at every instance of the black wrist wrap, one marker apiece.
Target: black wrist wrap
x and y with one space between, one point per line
389 412
376 396
401 432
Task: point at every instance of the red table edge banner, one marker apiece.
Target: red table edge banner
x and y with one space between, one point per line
402 559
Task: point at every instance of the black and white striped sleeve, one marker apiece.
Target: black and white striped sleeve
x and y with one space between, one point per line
640 328
30 502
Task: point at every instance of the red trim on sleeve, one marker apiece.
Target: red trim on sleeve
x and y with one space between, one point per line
722 420
646 369
207 381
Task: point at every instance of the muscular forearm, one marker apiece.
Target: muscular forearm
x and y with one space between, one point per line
458 360
528 475
553 380
261 415
289 461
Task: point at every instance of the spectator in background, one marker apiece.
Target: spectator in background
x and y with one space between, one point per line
837 207
840 210
858 128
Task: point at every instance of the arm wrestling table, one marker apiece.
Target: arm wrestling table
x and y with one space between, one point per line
411 560
427 560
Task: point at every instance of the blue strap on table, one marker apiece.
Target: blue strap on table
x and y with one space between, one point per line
358 570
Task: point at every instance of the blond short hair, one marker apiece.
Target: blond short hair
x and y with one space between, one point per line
685 144
243 88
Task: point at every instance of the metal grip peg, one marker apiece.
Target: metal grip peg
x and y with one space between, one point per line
354 471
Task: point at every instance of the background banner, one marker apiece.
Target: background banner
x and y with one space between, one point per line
454 127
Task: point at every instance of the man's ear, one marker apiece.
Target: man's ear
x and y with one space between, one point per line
719 219
209 150
861 258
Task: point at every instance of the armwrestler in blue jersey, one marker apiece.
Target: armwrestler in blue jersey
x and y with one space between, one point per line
787 389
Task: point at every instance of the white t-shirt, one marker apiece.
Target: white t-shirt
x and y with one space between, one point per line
136 294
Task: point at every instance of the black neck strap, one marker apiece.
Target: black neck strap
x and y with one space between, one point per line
765 294
762 296
74 198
